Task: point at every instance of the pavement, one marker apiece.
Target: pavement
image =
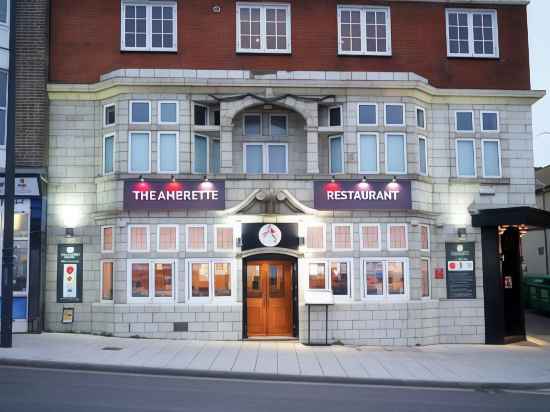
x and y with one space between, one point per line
513 366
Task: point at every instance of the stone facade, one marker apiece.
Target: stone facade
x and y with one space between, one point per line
78 191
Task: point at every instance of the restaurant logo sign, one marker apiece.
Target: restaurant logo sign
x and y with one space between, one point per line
353 195
178 194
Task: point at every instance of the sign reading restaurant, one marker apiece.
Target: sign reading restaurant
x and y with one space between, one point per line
353 195
178 194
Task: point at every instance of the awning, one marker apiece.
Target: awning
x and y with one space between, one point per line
524 215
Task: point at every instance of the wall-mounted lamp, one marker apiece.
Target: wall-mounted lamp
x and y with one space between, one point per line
394 179
333 178
173 179
69 232
141 178
461 232
364 179
205 178
216 9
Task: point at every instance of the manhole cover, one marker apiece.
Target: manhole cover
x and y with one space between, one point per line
113 348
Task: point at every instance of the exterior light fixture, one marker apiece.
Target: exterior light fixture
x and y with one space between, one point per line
141 178
461 232
394 179
173 179
69 232
205 178
333 179
364 179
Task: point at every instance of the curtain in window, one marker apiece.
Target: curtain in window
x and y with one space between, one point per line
138 238
107 238
277 158
466 158
107 281
167 238
201 154
370 237
396 153
215 157
196 238
336 155
168 152
315 237
108 167
140 152
491 159
398 237
224 238
254 163
342 235
368 153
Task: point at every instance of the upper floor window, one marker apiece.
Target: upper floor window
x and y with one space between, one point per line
367 114
3 105
394 114
464 121
140 112
149 26
108 154
278 125
207 156
336 154
168 112
4 12
268 158
364 30
263 28
472 33
421 117
492 166
466 158
109 115
396 153
490 122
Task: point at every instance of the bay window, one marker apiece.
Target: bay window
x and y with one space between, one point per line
267 158
151 280
140 112
421 118
394 114
492 167
464 121
490 122
396 153
168 152
109 115
385 278
336 154
364 30
466 158
367 114
368 153
168 112
472 33
140 152
210 280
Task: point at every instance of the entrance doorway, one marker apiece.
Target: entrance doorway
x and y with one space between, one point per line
514 320
269 289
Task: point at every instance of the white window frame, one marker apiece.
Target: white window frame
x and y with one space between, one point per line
368 172
339 107
101 262
338 136
233 241
423 110
177 238
160 103
361 237
278 115
386 152
386 297
130 111
102 238
363 10
475 158
473 121
328 283
211 277
481 121
483 141
265 156
334 248
263 32
151 298
406 226
426 259
324 237
471 53
130 166
261 124
159 160
103 168
105 107
420 172
359 117
194 171
149 25
148 229
429 237
386 115
205 238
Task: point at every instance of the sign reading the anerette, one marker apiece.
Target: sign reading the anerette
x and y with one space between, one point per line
179 194
353 195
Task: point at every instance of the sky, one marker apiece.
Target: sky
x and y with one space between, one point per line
539 47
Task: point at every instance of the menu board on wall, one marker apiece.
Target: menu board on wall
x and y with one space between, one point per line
69 273
461 279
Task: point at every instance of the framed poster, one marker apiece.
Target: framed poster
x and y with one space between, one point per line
69 273
461 279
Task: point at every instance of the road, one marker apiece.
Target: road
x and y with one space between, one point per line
29 389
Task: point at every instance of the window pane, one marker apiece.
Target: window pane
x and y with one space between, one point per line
317 276
277 158
140 112
107 281
2 126
458 33
254 161
278 126
108 155
422 157
252 125
464 121
367 114
167 238
374 278
110 118
424 237
376 31
339 278
107 239
398 237
196 239
201 154
371 239
396 278
466 158
420 118
222 279
140 280
168 152
342 237
396 153
425 273
4 11
21 225
335 116
368 153
315 237
138 238
139 157
224 238
163 280
490 121
199 280
491 159
350 30
168 112
200 115
394 114
20 258
215 157
336 155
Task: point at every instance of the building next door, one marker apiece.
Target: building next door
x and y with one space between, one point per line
269 298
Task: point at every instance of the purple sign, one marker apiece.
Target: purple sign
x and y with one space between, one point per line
354 195
179 194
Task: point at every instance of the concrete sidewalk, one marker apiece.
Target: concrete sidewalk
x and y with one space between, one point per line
513 366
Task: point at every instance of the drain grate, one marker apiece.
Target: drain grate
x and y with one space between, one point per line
112 348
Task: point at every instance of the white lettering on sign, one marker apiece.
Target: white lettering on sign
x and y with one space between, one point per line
154 195
362 195
460 265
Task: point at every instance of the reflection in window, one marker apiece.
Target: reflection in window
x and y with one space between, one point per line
276 282
396 278
107 281
254 287
140 280
222 279
425 272
374 278
163 280
317 276
339 278
200 280
21 263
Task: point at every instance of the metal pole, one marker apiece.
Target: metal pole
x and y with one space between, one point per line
9 198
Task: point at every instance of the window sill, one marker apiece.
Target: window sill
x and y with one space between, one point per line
364 54
469 56
274 52
171 51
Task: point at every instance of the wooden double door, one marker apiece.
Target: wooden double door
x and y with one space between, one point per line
269 298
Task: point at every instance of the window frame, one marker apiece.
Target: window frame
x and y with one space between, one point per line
483 112
324 226
159 159
423 110
333 228
177 238
386 153
361 237
130 166
8 16
193 154
131 102
212 298
152 284
473 121
363 9
233 241
130 227
159 112
205 238
471 51
426 259
420 172
388 239
105 107
339 107
265 156
330 138
261 124
263 23
271 115
101 263
386 297
483 141
386 124
102 238
423 225
371 172
207 117
103 168
148 26
473 140
328 281
359 117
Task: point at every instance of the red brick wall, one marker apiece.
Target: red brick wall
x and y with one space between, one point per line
85 43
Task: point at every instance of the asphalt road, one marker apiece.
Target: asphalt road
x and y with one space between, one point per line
26 390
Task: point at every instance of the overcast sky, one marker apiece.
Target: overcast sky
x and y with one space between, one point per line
539 45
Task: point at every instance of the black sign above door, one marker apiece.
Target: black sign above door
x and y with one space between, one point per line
262 235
